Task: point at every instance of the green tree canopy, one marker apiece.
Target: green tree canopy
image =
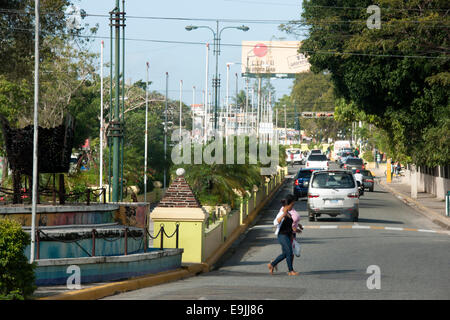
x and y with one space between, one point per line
398 73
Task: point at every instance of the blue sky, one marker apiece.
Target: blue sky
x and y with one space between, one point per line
187 61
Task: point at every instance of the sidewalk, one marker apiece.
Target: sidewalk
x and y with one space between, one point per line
426 203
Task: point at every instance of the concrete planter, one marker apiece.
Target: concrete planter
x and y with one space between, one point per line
101 269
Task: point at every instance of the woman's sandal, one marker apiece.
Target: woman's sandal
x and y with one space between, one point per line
271 267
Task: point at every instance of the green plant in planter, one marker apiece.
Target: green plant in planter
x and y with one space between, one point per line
16 273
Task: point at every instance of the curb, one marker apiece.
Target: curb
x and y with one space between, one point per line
427 212
109 289
101 291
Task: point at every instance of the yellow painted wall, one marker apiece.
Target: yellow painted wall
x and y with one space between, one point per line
191 237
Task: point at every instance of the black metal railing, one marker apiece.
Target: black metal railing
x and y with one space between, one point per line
86 196
43 236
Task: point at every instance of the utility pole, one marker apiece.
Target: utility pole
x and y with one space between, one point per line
146 135
116 138
227 102
246 106
117 20
205 109
165 129
236 109
35 131
285 126
181 106
258 108
192 109
101 121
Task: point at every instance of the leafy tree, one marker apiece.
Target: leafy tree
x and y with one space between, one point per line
17 34
311 92
221 183
398 73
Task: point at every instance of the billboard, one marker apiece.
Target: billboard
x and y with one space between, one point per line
272 59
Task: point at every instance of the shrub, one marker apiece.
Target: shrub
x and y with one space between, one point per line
368 156
16 273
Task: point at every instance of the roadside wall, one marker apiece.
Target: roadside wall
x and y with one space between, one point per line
206 240
430 180
435 180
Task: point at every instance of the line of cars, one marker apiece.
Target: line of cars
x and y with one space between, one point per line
331 192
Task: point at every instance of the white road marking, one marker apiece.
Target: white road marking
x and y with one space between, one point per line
353 226
360 227
393 228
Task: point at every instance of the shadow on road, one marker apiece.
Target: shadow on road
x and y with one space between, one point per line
338 274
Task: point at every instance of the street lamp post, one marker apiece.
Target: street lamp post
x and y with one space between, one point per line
227 101
206 95
146 135
216 80
165 129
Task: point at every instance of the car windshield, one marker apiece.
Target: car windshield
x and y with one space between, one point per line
304 174
366 173
317 157
354 161
333 180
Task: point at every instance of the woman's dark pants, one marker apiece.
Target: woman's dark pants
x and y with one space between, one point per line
287 253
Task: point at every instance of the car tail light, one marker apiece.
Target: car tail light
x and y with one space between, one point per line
353 195
345 166
368 180
296 182
313 195
307 164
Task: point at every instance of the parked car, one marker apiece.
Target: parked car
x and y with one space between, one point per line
317 161
368 180
333 192
354 163
301 182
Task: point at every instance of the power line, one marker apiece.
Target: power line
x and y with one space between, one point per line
382 8
226 20
331 52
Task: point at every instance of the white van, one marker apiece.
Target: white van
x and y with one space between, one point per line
339 145
333 192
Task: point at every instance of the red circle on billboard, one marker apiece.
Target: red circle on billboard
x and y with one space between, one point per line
260 50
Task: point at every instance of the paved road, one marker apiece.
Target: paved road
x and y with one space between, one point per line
336 255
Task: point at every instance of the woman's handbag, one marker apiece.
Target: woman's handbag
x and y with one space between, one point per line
296 248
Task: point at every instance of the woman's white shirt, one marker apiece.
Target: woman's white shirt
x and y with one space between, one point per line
275 221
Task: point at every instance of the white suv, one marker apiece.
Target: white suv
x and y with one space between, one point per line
333 192
317 161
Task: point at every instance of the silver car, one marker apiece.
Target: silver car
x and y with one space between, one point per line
333 192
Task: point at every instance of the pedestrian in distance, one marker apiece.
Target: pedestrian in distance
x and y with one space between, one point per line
285 233
398 168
